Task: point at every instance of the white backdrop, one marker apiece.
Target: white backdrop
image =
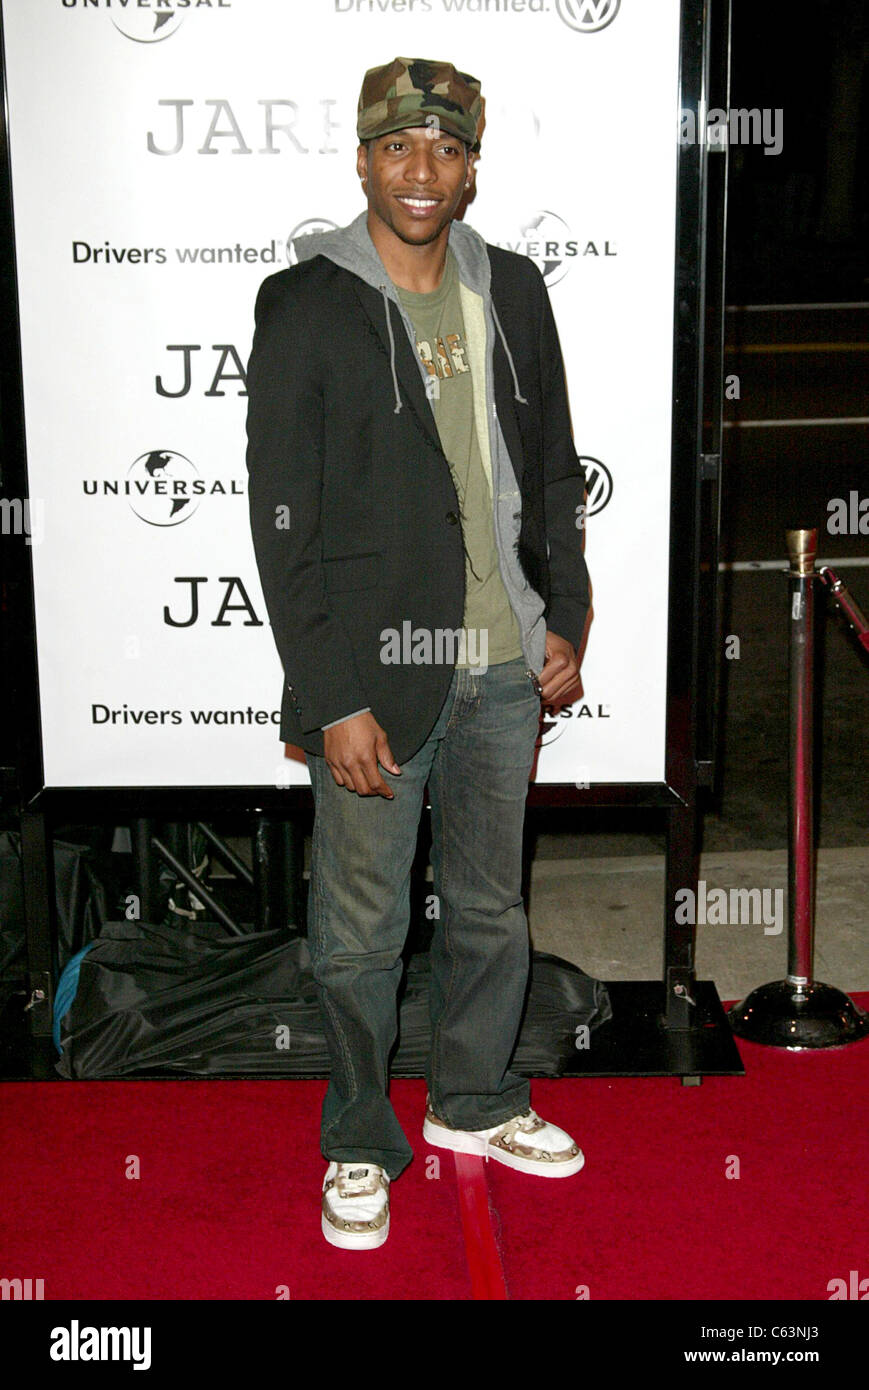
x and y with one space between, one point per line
161 156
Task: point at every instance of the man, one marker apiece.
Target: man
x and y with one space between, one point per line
413 478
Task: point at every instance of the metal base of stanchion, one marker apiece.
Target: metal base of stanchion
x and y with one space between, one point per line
785 1014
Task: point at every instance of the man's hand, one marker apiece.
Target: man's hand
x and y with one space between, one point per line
353 750
561 673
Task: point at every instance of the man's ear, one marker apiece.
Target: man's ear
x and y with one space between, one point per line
362 161
472 167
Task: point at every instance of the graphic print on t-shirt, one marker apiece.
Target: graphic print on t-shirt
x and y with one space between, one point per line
448 357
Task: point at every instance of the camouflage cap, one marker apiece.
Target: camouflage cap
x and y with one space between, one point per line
410 91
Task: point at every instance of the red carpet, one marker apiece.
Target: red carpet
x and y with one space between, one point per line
653 1215
227 1206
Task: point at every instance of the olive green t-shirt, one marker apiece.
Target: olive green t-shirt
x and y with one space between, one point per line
491 629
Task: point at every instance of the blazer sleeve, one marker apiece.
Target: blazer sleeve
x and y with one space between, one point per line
285 461
563 492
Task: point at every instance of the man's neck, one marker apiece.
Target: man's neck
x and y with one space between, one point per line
419 269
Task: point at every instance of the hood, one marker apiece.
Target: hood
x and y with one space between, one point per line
351 248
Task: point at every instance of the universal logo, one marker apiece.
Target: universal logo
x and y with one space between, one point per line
147 21
553 725
162 488
587 16
311 224
546 239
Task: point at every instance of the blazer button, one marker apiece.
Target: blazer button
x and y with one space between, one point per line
452 519
298 709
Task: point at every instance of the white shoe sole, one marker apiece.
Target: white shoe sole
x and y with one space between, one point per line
354 1240
461 1142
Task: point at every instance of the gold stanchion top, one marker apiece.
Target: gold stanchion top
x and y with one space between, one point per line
802 548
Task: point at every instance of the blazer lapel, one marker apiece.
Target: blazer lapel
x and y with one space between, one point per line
410 382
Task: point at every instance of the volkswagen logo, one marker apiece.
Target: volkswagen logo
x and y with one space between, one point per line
599 484
587 16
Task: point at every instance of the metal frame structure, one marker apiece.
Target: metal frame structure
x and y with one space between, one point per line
672 1026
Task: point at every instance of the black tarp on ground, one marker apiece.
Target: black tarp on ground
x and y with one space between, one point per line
157 1000
83 886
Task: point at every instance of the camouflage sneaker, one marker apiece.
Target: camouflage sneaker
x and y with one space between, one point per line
355 1205
524 1142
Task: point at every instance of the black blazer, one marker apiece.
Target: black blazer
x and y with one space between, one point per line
353 510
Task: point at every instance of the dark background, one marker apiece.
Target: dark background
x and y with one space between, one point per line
799 220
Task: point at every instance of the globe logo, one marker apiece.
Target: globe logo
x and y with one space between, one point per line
160 488
544 241
146 25
311 224
551 730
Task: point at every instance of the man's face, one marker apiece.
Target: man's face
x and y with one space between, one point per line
415 180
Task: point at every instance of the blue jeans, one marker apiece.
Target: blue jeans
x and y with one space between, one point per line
476 761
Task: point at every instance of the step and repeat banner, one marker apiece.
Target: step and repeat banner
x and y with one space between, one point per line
163 154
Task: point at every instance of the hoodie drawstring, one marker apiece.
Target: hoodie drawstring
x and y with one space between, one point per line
516 395
516 392
391 350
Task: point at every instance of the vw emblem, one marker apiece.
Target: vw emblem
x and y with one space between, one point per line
599 484
587 16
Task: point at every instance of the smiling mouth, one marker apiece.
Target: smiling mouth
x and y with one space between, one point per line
417 204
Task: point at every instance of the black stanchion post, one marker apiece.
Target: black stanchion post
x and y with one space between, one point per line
277 873
802 548
146 868
295 859
799 1012
682 867
37 860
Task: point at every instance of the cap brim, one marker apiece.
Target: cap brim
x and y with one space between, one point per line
414 122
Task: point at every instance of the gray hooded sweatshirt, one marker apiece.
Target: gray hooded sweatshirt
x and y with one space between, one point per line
351 248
